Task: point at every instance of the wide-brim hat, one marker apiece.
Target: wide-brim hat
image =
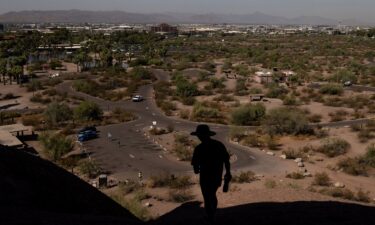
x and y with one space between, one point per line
203 129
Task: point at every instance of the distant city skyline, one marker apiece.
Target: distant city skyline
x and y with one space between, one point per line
336 9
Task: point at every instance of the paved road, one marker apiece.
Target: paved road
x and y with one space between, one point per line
137 153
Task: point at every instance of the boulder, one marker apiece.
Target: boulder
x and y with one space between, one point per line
271 153
339 185
283 156
298 160
307 174
300 164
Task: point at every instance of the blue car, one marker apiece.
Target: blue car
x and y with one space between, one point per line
87 135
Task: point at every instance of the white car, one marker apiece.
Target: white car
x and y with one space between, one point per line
54 75
137 98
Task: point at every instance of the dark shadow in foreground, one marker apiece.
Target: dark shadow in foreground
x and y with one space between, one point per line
35 191
271 213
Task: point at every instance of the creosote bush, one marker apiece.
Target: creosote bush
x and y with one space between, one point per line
244 177
333 147
322 179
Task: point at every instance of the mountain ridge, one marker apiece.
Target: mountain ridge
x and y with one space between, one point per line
117 16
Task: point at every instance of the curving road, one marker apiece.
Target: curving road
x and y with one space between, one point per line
129 151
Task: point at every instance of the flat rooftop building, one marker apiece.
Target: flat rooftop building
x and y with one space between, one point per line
9 135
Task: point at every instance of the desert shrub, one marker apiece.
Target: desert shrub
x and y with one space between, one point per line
364 135
35 120
339 115
269 183
57 113
343 76
123 115
88 111
141 73
338 193
224 98
332 147
241 88
293 154
9 96
89 87
290 100
129 187
168 107
286 121
252 140
34 85
250 114
321 132
363 196
50 92
295 175
180 182
369 157
89 168
271 142
185 114
237 132
244 177
276 91
184 88
188 100
134 206
216 83
353 166
254 90
40 99
180 196
315 118
56 145
205 113
168 180
321 179
141 194
183 152
331 89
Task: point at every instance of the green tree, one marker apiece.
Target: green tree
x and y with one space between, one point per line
248 114
141 73
56 145
343 76
57 113
88 111
286 121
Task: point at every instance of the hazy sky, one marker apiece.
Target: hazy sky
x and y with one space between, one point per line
336 9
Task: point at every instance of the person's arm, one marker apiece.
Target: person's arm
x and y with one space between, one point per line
228 174
194 162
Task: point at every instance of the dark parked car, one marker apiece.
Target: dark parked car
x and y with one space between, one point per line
92 128
87 135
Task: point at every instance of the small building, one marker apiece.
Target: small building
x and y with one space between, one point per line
10 134
285 75
256 97
263 77
164 28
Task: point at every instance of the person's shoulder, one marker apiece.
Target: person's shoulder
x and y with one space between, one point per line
218 143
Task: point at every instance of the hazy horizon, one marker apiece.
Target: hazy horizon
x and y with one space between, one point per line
336 9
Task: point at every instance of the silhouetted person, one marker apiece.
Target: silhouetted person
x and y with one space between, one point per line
209 158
